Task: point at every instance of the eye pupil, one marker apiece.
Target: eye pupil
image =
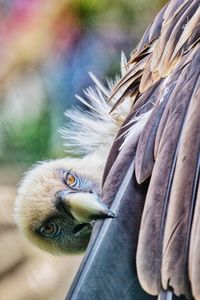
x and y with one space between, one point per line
49 228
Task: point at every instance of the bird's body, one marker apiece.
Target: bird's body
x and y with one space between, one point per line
161 137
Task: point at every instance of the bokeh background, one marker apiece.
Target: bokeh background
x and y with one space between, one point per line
47 48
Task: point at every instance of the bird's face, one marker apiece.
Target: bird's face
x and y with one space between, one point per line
55 207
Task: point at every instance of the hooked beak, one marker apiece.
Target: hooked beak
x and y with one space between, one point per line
82 206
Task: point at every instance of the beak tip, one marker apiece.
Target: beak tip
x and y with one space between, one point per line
111 214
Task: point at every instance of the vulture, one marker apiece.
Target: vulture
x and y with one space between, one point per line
150 247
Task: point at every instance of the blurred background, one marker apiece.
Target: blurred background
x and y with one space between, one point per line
47 49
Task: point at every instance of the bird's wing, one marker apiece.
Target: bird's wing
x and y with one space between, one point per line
164 80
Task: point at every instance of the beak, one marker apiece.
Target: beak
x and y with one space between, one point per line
82 206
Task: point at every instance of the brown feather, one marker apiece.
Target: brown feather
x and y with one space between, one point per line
178 79
189 30
137 56
174 7
132 90
153 220
144 161
156 27
194 253
182 203
132 75
166 63
144 41
147 79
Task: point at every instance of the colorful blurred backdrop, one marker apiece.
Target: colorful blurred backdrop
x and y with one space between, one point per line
47 49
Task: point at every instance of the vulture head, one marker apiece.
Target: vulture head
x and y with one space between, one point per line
56 205
58 201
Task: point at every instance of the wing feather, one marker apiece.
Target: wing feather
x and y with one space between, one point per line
188 31
175 31
182 203
194 253
174 7
153 220
144 161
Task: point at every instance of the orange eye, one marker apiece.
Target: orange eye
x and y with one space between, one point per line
70 179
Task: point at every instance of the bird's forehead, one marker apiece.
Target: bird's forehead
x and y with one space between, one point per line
36 193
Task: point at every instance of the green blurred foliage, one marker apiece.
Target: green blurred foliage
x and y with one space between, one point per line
28 140
94 13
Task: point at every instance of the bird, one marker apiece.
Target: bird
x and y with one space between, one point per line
58 200
154 161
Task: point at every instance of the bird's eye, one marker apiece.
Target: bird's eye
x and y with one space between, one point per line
71 180
50 229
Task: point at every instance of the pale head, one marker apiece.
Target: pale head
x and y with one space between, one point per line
55 204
